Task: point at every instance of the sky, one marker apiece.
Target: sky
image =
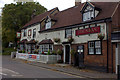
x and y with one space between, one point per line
49 4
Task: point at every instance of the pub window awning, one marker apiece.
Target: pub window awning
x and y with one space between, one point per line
46 41
23 41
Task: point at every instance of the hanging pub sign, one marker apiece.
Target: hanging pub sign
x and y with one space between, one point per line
88 31
18 34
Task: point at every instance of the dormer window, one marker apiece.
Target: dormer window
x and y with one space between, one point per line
89 11
88 14
48 23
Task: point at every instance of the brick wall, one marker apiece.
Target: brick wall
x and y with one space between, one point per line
94 60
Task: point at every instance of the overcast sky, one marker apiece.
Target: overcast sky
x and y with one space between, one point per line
49 4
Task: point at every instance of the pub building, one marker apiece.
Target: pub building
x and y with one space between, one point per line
88 28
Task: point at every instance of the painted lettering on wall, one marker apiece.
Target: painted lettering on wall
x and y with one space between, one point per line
88 31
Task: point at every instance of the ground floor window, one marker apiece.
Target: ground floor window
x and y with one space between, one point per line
30 48
21 47
45 47
94 47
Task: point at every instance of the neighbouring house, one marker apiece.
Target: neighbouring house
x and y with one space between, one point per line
92 29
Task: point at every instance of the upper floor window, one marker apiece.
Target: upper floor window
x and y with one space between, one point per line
34 33
29 32
25 33
48 25
88 13
68 33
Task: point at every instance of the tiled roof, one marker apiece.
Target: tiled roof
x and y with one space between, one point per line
73 15
46 41
23 41
38 18
31 41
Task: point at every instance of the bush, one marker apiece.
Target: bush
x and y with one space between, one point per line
53 52
23 51
20 51
48 52
59 52
7 51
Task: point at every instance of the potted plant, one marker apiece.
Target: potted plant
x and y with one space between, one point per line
36 52
48 52
23 51
101 36
57 40
60 52
70 39
53 52
20 51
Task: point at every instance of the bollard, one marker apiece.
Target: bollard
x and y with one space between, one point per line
118 72
13 55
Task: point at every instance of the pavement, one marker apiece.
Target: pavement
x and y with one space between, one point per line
66 68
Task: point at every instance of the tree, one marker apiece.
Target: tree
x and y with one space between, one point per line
15 16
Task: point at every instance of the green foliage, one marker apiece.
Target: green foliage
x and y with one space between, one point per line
20 51
36 51
59 52
23 51
15 16
48 52
54 52
7 51
72 52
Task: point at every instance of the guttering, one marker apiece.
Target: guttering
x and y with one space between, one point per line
76 25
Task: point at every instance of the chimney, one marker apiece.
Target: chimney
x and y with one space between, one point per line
33 14
77 2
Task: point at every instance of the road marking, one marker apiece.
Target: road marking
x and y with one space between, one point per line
16 75
10 71
3 74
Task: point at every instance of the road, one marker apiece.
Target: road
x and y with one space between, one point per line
12 68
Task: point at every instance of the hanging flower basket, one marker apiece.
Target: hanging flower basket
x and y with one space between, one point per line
57 40
70 39
101 36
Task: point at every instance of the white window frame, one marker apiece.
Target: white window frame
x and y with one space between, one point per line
48 25
34 33
45 47
97 47
68 33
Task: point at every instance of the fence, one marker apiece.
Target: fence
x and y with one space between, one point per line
39 58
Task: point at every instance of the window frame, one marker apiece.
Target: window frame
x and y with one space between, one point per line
66 32
89 12
50 24
44 48
29 32
95 47
25 33
34 32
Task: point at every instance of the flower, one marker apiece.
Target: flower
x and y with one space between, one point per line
101 36
42 52
70 39
57 40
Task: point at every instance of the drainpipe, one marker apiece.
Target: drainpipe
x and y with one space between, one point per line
107 27
112 50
